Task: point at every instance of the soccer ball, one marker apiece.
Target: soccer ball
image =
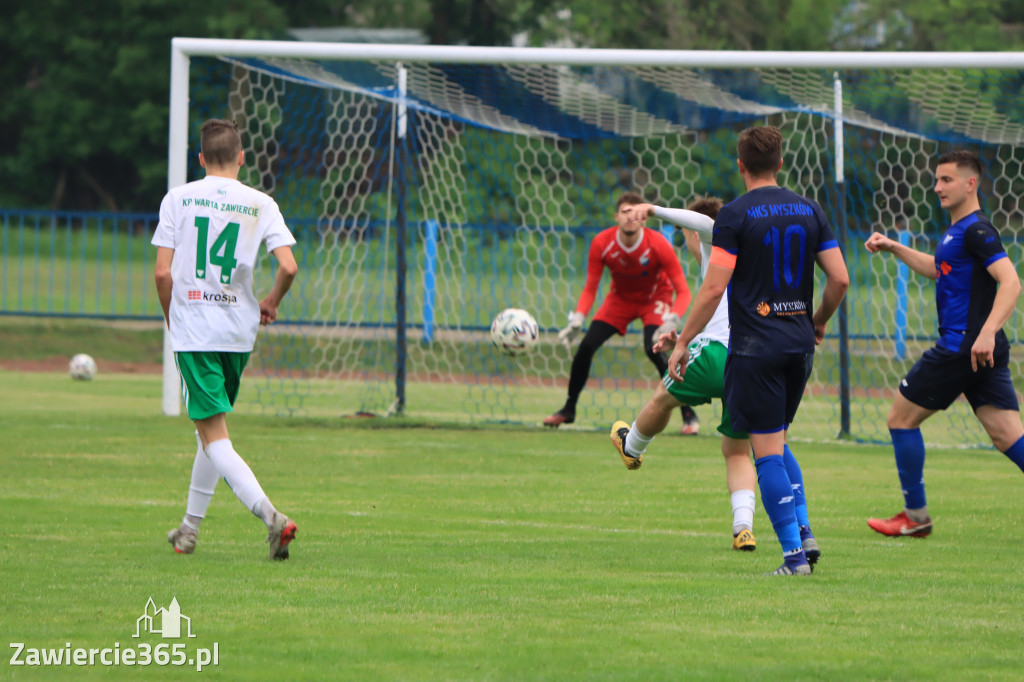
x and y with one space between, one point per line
82 367
514 331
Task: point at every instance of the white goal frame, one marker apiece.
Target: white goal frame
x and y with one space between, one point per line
182 49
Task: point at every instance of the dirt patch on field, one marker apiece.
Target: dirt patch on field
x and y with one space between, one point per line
60 364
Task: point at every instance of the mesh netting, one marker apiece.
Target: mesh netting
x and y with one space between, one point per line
493 180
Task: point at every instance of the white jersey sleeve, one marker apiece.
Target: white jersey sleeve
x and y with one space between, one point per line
277 233
164 235
698 222
216 226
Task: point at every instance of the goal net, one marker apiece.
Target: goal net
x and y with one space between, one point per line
430 188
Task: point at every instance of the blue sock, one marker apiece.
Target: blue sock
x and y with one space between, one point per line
777 500
796 479
908 445
1016 453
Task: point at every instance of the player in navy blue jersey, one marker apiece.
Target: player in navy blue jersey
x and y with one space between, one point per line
976 291
764 249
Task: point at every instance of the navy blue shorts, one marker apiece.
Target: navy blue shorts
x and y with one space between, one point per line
941 375
763 393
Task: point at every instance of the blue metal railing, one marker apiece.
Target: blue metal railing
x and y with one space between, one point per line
74 264
100 265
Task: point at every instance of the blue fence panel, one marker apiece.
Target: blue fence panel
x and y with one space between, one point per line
70 264
100 265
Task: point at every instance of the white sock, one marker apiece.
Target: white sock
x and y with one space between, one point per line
636 442
201 488
238 476
919 515
742 510
265 510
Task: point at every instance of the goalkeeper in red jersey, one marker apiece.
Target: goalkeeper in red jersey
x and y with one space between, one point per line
646 276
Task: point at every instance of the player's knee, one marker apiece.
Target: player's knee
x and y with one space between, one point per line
735 449
663 399
588 347
902 418
1003 439
737 458
894 422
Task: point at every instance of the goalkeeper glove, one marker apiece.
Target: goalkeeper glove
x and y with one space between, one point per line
669 323
568 335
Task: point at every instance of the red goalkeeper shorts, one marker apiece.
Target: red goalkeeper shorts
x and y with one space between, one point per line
618 312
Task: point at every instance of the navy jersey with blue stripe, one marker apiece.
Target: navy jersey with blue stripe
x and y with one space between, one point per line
775 235
964 290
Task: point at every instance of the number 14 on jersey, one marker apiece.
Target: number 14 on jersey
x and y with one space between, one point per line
221 253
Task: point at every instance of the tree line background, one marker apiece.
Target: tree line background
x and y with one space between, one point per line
84 105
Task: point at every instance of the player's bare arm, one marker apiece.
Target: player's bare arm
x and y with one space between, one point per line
918 261
162 275
1005 273
639 212
287 268
837 281
693 223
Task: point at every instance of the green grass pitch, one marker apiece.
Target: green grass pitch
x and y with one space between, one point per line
429 553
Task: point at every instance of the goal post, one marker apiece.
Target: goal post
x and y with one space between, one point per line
430 187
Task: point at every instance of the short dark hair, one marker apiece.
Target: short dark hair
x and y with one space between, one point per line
760 149
631 198
219 142
709 206
963 158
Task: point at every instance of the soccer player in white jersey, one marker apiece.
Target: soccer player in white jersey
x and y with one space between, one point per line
207 240
704 381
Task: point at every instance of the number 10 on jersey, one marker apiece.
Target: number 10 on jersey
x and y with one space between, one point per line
782 254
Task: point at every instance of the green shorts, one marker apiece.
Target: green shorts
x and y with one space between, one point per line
209 381
705 380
